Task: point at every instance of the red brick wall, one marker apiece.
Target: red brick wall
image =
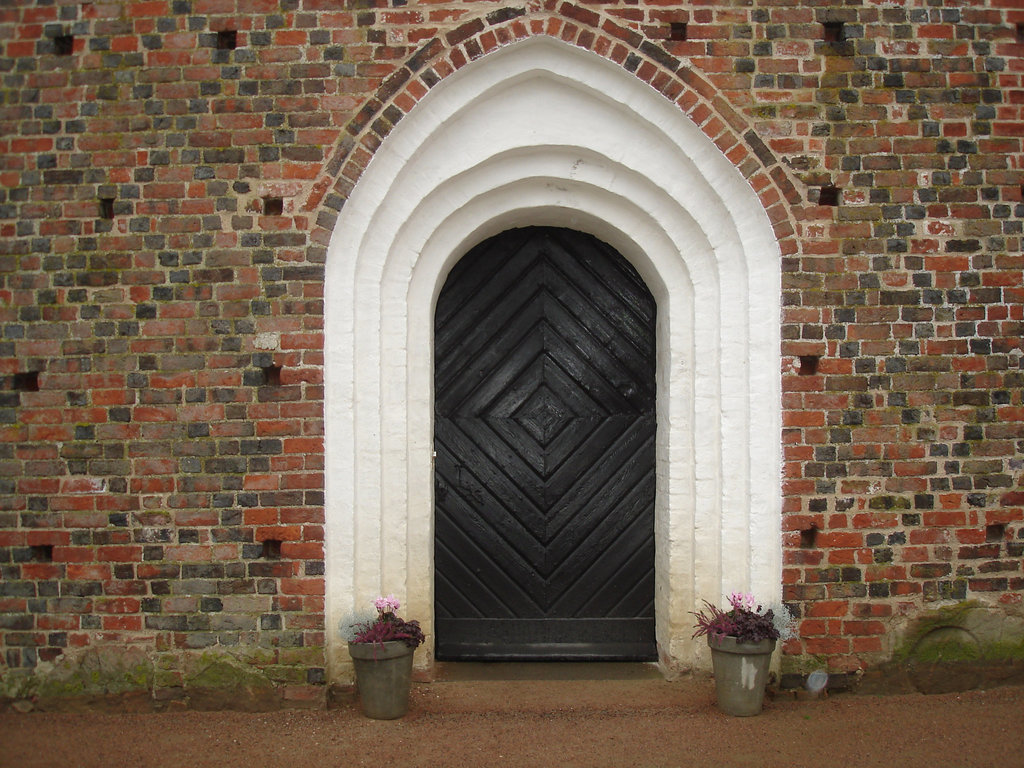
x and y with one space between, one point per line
161 403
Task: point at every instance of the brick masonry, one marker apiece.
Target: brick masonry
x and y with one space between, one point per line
170 173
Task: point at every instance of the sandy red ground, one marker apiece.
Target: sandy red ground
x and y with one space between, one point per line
546 723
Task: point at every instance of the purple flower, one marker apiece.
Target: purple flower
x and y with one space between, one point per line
387 626
743 601
387 604
744 620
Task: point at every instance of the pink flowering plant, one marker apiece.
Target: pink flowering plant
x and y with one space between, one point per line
745 620
385 627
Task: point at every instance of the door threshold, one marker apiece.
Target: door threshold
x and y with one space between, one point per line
452 671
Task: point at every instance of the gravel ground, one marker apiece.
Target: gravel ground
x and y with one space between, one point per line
570 723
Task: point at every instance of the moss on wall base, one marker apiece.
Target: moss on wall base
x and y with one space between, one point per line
130 680
957 647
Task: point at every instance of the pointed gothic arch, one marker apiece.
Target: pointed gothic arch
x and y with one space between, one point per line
540 132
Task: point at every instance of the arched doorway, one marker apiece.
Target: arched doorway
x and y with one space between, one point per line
613 158
544 443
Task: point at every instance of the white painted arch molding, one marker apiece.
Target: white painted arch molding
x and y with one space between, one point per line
542 133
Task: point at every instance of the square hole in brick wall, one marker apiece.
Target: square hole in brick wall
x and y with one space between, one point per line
828 195
64 45
677 30
809 537
27 381
273 206
833 31
42 553
995 532
1020 32
272 375
227 40
272 549
106 205
808 365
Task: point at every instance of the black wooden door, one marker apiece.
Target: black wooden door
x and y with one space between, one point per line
544 436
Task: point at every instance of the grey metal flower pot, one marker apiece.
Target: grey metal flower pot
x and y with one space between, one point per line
741 673
383 674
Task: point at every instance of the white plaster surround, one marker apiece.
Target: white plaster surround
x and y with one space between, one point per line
543 133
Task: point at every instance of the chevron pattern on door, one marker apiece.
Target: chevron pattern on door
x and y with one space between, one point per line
544 435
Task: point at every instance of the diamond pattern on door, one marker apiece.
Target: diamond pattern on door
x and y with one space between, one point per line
544 435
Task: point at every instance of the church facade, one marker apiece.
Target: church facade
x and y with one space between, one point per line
553 320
